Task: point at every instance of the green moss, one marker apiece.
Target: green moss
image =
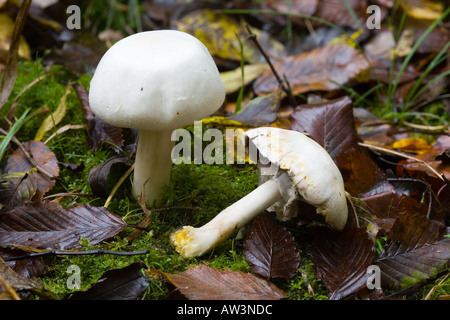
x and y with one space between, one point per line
195 195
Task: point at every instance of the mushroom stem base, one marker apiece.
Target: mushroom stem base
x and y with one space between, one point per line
153 164
194 242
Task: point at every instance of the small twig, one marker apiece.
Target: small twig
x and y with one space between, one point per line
69 194
282 84
400 154
177 208
74 253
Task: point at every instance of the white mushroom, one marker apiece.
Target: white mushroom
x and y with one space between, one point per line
303 170
155 81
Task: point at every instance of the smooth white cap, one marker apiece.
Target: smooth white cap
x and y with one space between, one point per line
156 80
313 173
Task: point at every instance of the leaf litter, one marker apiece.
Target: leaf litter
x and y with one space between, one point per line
398 184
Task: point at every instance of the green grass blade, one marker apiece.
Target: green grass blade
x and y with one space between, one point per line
16 127
436 61
414 49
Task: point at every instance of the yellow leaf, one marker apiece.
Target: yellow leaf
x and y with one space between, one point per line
346 39
404 44
412 145
422 9
232 80
6 31
222 121
221 34
53 119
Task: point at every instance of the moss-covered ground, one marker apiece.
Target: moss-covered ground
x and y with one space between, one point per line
196 193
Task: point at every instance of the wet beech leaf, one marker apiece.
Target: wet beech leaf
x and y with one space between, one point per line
27 268
16 189
43 156
341 260
98 130
99 174
414 252
204 283
332 125
270 249
389 205
259 111
15 280
47 225
118 284
322 69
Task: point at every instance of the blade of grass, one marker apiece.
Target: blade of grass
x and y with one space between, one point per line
435 79
435 62
414 49
16 127
352 14
241 90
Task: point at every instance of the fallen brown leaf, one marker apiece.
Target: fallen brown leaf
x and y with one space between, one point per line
204 283
322 69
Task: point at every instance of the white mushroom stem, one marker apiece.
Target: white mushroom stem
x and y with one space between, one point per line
194 242
153 164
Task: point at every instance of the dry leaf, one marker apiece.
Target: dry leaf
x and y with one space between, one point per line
422 9
205 283
43 156
220 32
325 68
336 12
260 110
232 80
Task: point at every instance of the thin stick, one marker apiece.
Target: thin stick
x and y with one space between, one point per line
400 154
282 84
74 253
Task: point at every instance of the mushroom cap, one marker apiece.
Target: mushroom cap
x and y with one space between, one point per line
156 80
313 173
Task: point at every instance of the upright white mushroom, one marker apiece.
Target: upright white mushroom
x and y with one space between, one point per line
155 81
303 170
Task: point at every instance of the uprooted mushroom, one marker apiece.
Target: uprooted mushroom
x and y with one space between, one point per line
155 81
304 170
